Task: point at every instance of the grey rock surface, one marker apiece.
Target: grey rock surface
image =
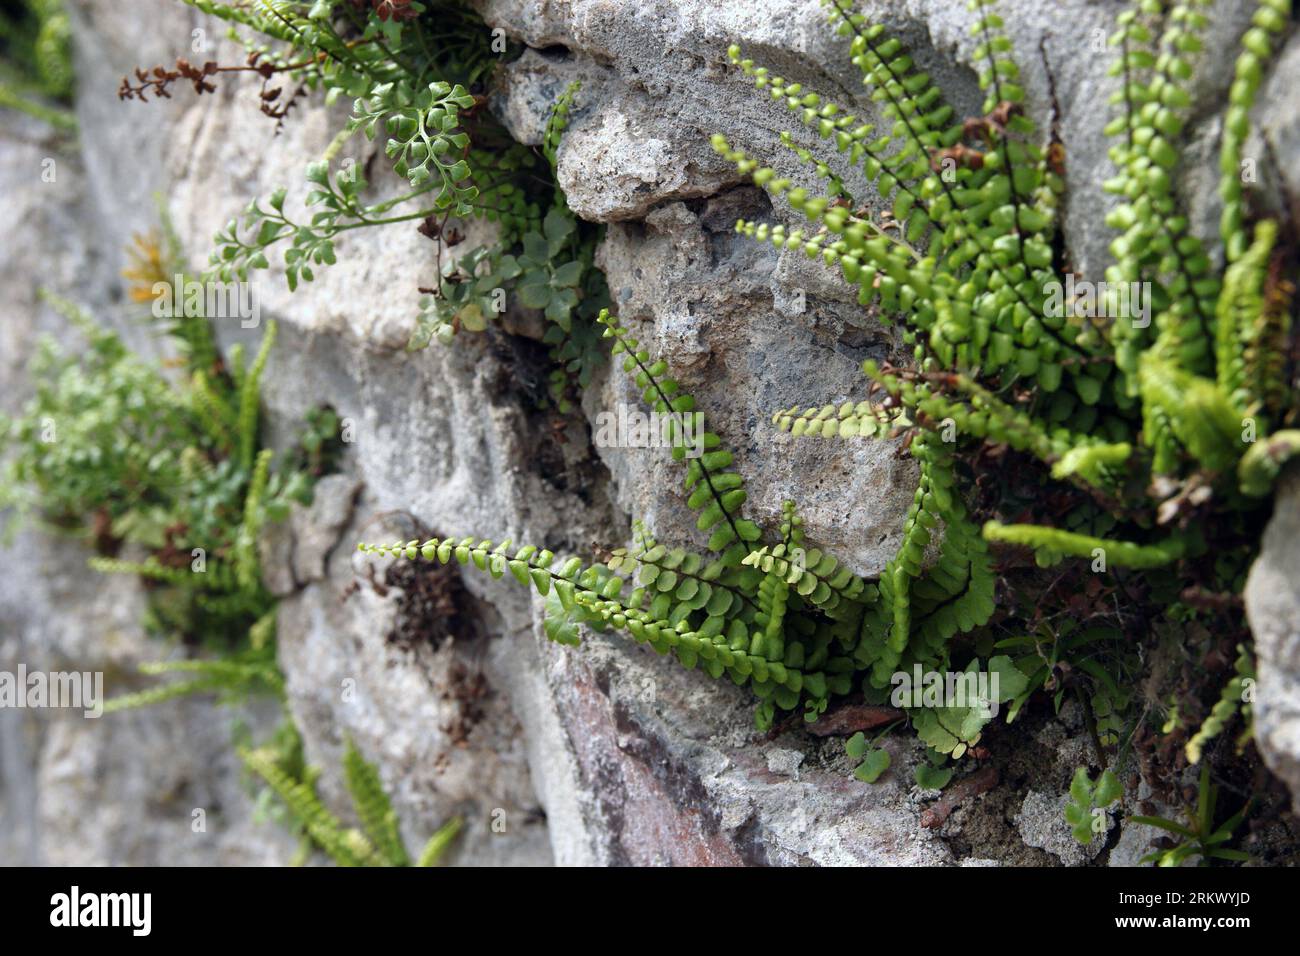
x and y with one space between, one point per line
606 753
704 299
1273 604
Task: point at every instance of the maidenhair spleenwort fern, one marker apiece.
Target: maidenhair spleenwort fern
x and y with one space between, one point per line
1142 432
785 628
790 622
1141 416
1237 696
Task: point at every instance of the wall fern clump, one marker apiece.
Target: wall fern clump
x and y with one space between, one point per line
416 76
1145 423
113 450
1163 404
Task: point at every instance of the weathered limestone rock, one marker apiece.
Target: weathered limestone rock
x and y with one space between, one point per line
671 771
604 753
1273 604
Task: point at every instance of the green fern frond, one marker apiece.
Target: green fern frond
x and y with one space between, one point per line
214 412
954 727
1095 464
716 490
1200 415
848 420
956 594
1051 544
557 122
1268 25
1260 467
696 641
1155 243
378 818
988 418
905 94
237 677
1253 329
247 566
816 577
262 634
923 606
971 203
150 568
678 583
249 399
438 844
163 693
1234 698
237 670
345 846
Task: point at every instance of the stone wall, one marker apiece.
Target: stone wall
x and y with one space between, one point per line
605 753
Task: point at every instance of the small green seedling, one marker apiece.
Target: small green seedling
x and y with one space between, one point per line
930 777
1086 811
875 760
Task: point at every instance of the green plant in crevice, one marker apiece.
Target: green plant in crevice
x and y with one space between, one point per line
377 842
1159 425
874 760
233 677
556 123
1198 837
417 76
952 728
1086 809
1090 661
576 341
550 268
113 450
715 609
974 272
283 749
202 530
790 622
99 436
544 278
1135 434
166 464
931 774
1236 697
